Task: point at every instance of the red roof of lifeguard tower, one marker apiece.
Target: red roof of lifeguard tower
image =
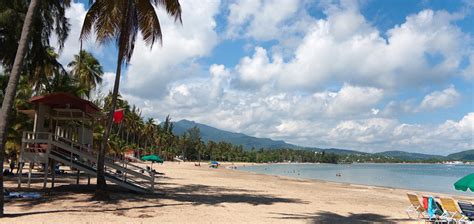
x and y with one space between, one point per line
66 100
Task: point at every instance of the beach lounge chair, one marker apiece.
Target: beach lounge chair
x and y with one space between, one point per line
467 210
451 211
415 207
433 209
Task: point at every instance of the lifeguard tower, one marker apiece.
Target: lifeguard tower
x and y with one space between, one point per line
62 132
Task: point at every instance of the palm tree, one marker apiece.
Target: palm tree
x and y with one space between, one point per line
87 70
63 82
9 95
51 18
149 132
121 20
44 67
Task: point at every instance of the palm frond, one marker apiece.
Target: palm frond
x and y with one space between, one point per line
91 17
172 7
149 24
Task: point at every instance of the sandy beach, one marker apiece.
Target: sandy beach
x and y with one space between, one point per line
198 194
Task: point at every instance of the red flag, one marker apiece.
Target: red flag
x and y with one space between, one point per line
118 116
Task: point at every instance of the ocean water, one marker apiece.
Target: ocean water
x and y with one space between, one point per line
422 177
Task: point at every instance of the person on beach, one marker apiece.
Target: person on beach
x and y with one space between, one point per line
12 165
20 166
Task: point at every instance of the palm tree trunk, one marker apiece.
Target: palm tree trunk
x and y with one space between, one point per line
12 85
101 183
100 193
146 144
128 131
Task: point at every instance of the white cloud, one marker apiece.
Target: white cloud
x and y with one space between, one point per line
378 134
260 19
468 72
258 69
362 131
241 12
354 100
397 108
108 80
440 99
219 80
458 131
428 48
151 70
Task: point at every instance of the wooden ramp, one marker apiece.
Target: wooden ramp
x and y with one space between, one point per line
43 146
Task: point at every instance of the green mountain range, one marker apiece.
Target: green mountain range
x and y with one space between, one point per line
409 155
467 155
217 135
248 142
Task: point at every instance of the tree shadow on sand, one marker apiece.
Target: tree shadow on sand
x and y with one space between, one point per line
197 194
329 217
86 209
193 194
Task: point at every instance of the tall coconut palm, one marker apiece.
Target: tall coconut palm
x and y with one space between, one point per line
149 132
51 19
87 70
12 85
121 20
44 68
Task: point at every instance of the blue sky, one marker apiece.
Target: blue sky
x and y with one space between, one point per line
369 75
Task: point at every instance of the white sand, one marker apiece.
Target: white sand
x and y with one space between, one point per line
190 194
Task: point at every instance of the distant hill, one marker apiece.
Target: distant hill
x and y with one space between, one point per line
338 151
409 155
467 155
217 135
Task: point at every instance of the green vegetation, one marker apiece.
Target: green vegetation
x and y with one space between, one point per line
224 151
410 156
467 155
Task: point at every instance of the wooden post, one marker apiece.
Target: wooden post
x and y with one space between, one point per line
20 159
46 165
20 172
53 172
88 179
29 174
45 180
78 174
82 128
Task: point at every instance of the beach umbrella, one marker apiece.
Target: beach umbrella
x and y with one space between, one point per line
214 164
152 158
465 183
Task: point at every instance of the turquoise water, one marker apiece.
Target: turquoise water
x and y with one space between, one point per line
421 177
